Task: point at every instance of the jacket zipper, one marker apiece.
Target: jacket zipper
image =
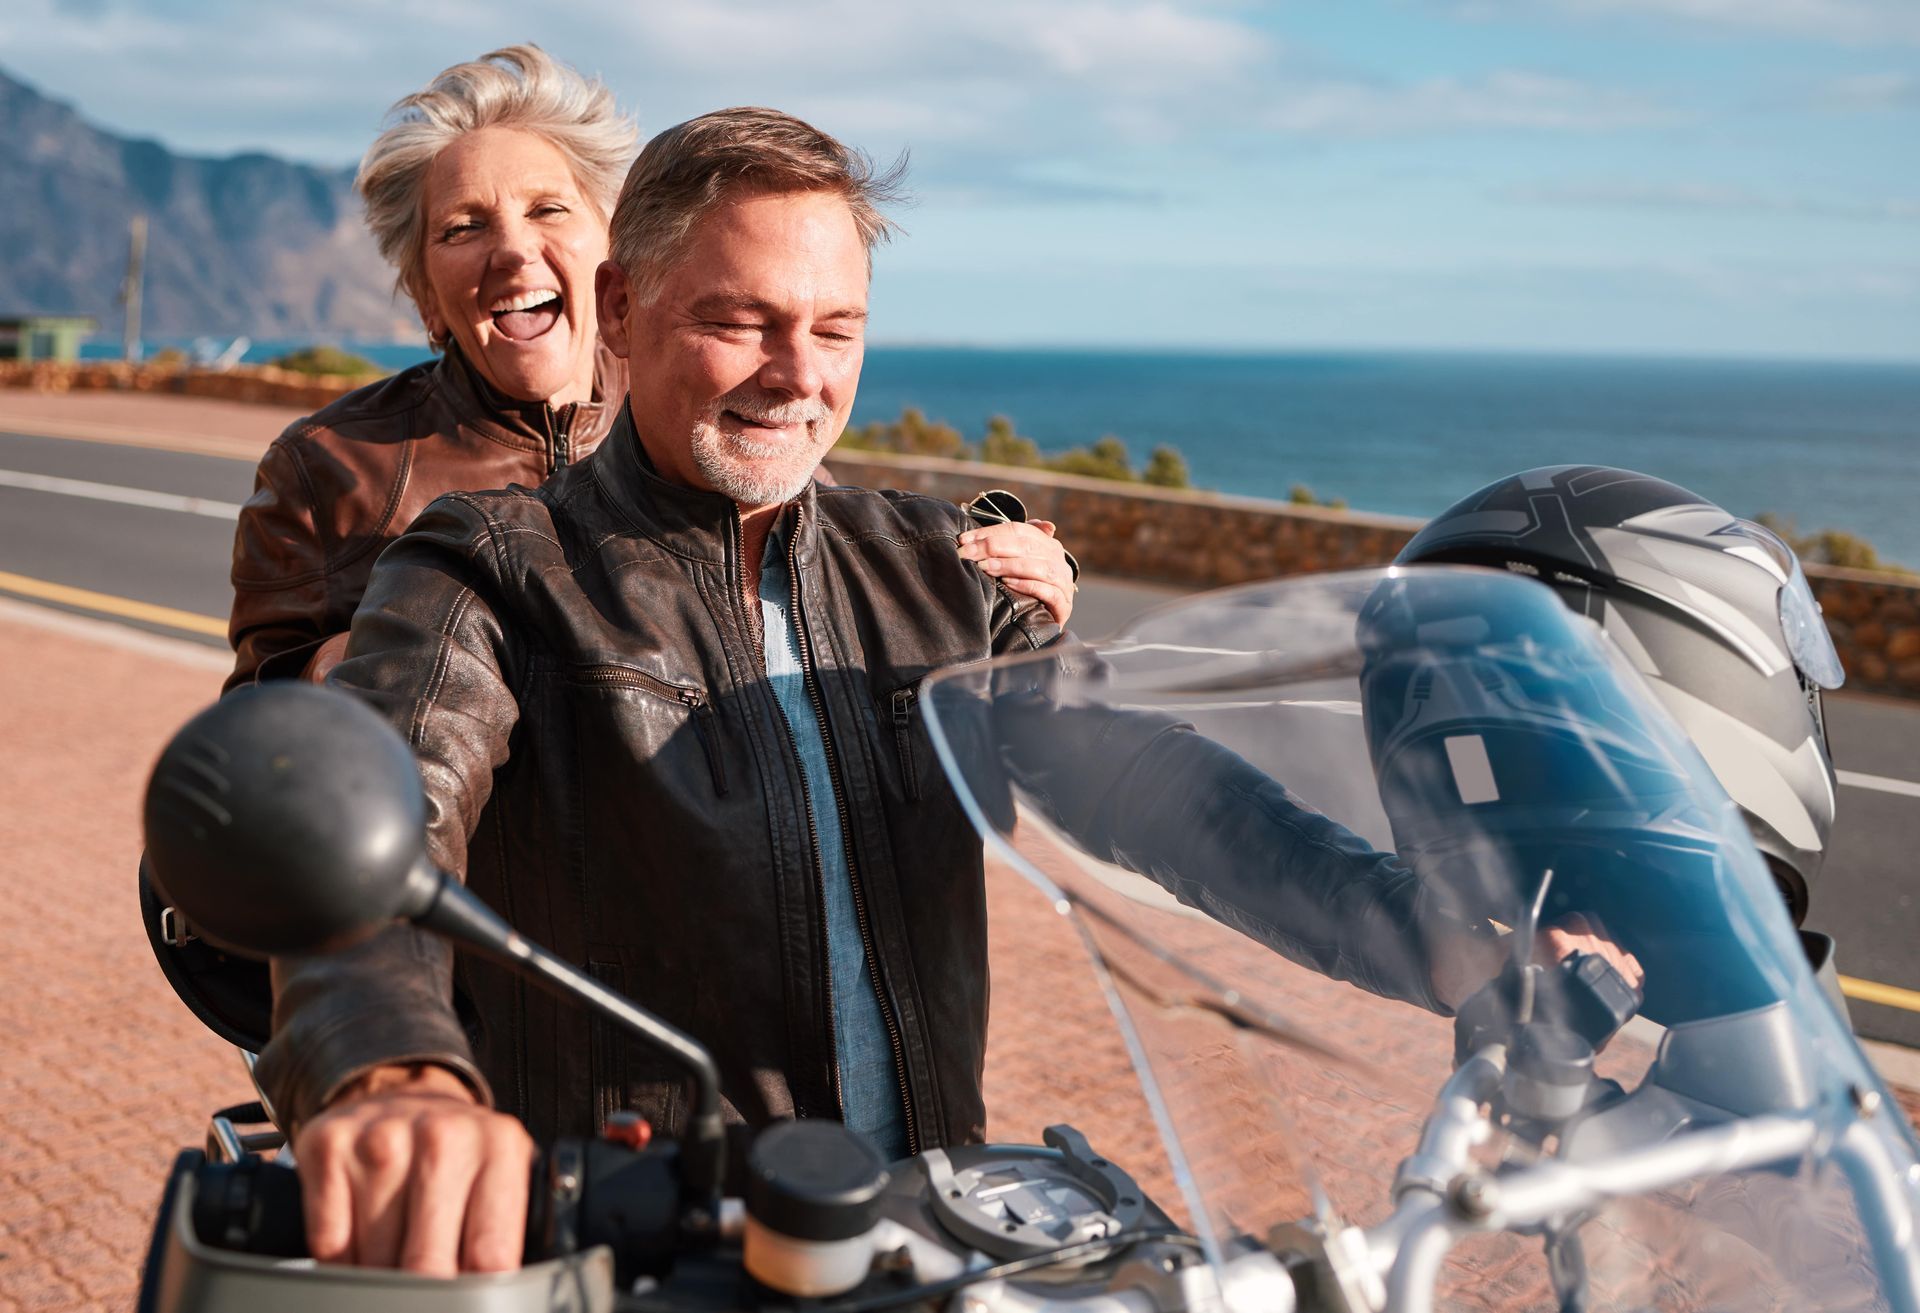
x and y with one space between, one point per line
559 429
904 700
813 834
690 698
846 843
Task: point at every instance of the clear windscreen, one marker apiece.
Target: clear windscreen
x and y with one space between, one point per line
1299 825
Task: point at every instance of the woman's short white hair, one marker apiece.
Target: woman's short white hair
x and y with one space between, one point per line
516 87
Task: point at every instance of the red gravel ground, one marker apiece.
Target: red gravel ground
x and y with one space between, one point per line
105 1075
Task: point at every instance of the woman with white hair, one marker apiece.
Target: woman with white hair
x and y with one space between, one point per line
489 192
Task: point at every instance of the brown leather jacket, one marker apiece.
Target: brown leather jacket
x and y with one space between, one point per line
581 682
338 486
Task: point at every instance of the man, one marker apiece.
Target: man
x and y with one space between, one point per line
664 709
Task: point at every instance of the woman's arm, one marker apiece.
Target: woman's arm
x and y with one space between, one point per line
1021 553
282 612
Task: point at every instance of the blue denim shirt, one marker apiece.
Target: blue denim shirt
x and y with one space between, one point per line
870 1088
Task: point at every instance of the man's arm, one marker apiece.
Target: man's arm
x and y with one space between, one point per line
1147 792
1025 555
402 1162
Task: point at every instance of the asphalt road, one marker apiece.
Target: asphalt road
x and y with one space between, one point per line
144 536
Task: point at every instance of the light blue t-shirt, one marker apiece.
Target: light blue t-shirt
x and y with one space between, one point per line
869 1086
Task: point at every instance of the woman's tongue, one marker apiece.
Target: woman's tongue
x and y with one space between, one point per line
525 325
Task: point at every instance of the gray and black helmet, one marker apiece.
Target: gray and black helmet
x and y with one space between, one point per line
1712 610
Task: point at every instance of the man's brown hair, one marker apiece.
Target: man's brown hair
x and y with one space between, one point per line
689 169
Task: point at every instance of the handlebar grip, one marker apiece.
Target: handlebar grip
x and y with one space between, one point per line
583 1193
252 1206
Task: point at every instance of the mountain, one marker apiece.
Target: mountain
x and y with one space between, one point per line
246 244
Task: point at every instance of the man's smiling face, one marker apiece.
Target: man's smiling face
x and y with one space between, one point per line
743 368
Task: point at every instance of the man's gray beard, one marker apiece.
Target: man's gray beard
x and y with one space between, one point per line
757 473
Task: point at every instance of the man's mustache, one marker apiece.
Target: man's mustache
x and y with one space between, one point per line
753 406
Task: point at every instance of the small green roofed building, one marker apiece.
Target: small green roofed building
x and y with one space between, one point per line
43 337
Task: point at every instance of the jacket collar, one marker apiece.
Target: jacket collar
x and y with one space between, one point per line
690 522
527 425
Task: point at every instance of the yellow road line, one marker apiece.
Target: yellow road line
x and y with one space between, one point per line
1872 991
107 604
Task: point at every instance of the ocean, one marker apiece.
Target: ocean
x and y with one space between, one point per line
1827 445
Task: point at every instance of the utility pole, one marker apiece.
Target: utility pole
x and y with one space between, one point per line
130 289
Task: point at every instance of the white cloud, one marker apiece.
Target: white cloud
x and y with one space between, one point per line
1847 22
1869 92
1512 99
1015 81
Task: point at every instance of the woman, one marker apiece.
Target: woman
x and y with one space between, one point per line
489 193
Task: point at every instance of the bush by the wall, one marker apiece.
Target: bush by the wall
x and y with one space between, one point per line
913 434
326 360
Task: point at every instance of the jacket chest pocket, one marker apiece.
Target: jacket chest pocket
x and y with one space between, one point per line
698 708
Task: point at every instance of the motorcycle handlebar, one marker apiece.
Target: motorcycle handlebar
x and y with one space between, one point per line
582 1193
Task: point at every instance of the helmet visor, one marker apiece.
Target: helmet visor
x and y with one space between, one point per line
1807 637
1808 642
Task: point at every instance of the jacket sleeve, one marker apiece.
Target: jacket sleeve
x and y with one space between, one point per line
429 653
281 600
1150 794
1018 623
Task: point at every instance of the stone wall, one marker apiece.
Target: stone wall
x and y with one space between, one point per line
1195 539
1203 540
261 384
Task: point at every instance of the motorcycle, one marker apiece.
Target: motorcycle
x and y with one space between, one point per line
1311 836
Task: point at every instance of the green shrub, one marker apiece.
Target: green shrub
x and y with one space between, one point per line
1105 459
910 435
1301 495
326 360
913 434
1167 468
1003 446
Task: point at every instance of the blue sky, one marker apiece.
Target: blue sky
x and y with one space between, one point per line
1644 176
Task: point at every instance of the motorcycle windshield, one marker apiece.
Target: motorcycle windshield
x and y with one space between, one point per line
1299 825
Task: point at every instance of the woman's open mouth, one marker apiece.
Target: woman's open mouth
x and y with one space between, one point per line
526 315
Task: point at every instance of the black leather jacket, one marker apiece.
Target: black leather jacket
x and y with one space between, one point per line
579 674
578 671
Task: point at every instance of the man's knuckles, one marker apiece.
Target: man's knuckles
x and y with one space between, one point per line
442 1141
384 1146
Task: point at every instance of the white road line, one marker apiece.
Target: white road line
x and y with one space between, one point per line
165 501
1879 783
